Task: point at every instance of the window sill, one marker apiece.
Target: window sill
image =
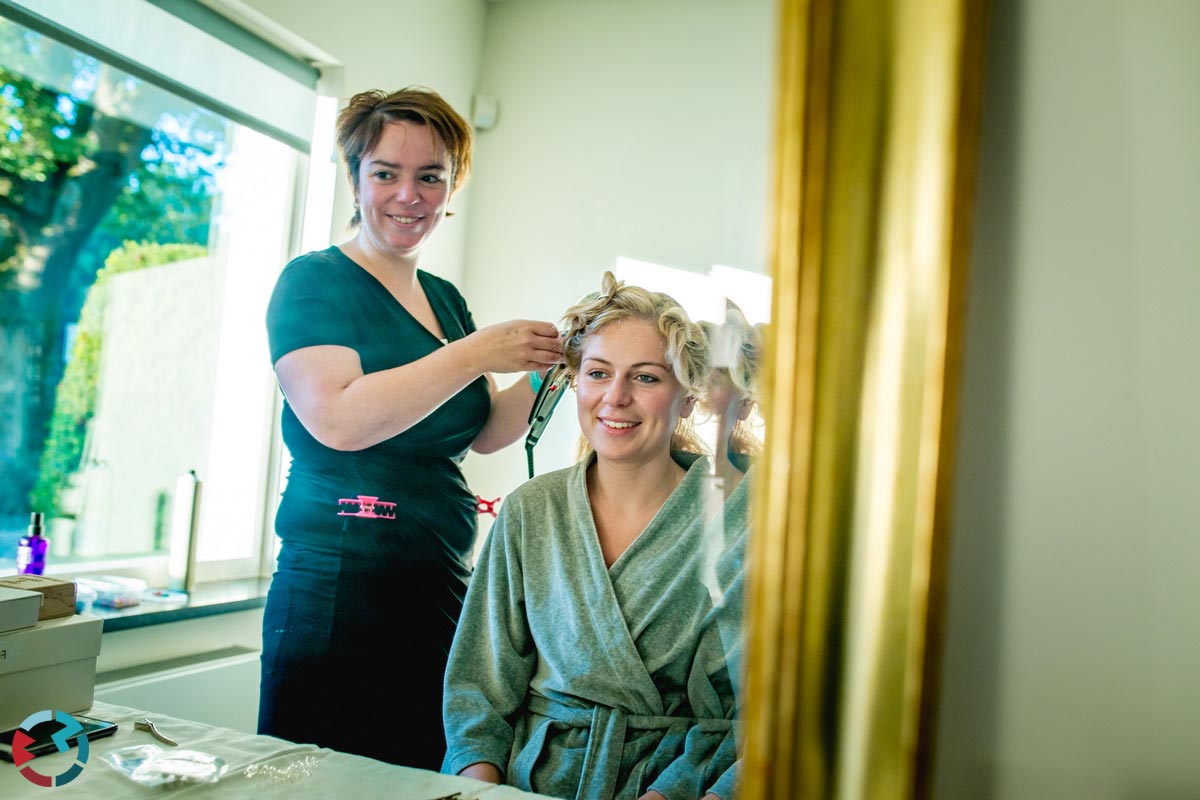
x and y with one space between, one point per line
208 599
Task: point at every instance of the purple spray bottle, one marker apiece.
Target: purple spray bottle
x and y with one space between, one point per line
31 550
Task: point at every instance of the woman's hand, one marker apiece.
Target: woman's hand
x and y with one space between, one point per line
514 346
346 410
482 771
519 345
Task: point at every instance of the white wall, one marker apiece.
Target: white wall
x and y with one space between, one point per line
1073 639
637 128
390 44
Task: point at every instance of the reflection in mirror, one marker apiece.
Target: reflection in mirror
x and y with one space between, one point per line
731 401
735 439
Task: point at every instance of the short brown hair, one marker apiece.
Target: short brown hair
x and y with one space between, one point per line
360 125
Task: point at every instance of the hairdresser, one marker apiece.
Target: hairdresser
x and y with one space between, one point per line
387 385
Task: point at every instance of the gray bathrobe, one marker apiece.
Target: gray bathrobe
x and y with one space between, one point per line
588 682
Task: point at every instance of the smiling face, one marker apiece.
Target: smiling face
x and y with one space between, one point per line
403 187
629 401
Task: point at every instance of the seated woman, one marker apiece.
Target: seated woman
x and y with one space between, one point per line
574 672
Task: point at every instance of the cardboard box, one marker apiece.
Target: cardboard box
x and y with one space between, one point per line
50 666
18 609
58 595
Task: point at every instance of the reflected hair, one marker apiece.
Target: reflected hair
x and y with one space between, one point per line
361 122
684 341
738 350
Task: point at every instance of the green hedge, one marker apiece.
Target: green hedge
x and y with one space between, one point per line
75 398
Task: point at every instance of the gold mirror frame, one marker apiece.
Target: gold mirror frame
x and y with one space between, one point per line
876 133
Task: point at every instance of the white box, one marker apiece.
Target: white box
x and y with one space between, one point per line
51 666
18 609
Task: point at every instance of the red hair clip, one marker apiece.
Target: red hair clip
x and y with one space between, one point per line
486 506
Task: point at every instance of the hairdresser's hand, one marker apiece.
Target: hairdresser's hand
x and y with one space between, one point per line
519 345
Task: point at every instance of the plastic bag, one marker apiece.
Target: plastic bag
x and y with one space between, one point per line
151 765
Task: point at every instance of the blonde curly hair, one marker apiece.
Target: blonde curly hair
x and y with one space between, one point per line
684 342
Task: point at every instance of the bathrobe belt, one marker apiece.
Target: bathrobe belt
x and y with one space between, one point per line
606 739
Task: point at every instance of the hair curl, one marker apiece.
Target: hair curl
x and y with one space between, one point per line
361 123
684 341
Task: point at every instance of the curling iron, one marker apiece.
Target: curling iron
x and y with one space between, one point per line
553 388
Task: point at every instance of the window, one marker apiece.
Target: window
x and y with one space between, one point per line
140 235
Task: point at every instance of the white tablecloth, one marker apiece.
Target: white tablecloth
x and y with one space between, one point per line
335 776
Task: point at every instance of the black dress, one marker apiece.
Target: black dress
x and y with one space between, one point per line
374 543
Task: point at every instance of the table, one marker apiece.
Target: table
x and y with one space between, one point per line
335 774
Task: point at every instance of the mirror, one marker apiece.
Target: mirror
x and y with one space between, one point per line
631 137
